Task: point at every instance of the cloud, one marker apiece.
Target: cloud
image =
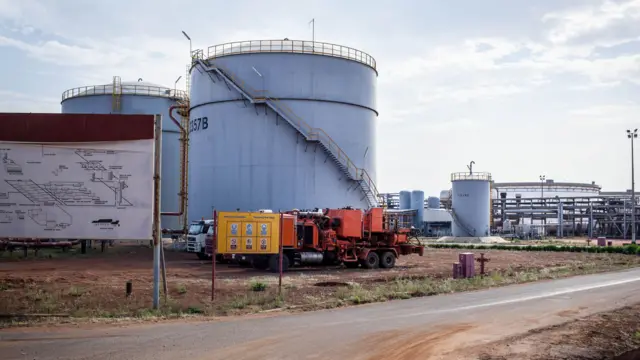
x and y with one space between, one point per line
607 21
609 115
12 101
95 62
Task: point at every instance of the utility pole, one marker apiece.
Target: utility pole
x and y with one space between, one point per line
190 45
632 135
544 214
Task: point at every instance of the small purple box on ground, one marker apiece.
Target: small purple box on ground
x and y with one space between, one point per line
467 263
457 271
602 241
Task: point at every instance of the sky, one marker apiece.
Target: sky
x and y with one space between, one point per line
523 88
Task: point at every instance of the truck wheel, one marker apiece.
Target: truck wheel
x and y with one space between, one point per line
372 261
274 263
387 260
202 256
260 263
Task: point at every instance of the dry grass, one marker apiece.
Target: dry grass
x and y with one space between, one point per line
95 287
262 294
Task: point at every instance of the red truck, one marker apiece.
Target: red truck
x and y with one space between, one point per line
371 239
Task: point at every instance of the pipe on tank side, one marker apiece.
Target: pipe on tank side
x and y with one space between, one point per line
183 149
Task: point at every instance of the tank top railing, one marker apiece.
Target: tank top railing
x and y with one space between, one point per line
290 46
127 89
311 133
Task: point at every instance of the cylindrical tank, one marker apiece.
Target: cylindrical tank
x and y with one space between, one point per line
470 204
433 202
404 200
417 203
139 97
312 111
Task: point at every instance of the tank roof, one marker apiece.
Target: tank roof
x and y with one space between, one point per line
464 176
141 88
285 46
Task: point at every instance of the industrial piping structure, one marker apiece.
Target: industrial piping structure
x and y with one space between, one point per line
141 97
587 212
306 142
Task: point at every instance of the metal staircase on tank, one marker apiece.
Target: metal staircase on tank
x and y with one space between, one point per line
360 175
116 94
468 229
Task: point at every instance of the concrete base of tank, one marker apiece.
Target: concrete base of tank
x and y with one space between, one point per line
472 240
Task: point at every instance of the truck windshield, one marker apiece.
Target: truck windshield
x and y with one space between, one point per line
195 229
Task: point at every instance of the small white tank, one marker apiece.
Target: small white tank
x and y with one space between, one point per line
470 206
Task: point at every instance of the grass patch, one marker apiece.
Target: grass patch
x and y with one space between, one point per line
75 291
258 286
251 302
409 287
630 249
181 289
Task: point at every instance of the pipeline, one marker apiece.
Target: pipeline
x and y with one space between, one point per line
183 177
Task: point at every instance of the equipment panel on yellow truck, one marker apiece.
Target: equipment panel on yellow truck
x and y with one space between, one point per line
248 233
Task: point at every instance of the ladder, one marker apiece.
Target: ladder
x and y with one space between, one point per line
344 163
469 230
116 94
184 161
187 80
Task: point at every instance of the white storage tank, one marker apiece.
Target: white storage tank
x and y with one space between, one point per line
282 124
139 97
470 208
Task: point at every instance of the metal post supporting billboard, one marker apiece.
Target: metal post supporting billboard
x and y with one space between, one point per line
157 233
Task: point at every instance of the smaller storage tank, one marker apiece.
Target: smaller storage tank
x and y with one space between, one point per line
470 207
405 200
417 203
433 202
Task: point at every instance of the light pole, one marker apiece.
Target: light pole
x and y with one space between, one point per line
632 135
190 47
175 85
544 214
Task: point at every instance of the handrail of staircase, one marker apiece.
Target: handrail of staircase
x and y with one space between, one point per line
359 173
470 230
366 177
319 135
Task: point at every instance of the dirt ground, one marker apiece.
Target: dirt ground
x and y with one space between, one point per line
94 284
609 335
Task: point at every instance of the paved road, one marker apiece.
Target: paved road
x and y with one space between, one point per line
404 329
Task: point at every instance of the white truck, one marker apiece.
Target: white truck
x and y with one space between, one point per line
196 238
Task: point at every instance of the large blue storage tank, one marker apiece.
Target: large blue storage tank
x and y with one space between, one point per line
404 201
417 203
470 207
139 98
262 155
